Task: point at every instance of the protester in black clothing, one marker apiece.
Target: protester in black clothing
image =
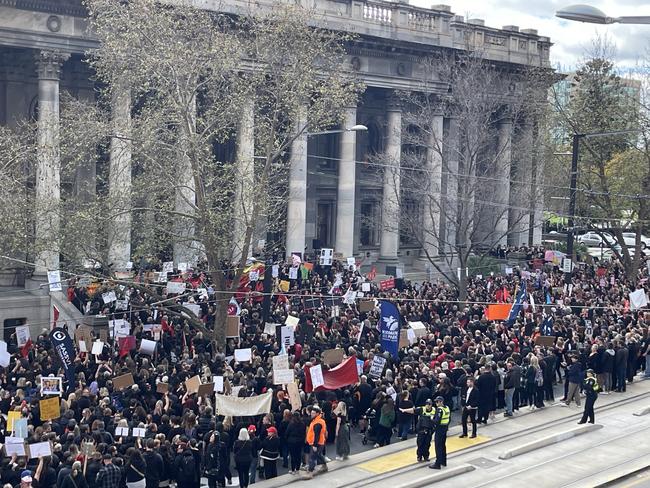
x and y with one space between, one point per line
270 453
155 466
242 450
295 439
215 461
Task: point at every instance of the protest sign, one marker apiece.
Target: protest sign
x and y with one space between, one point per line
377 367
123 382
50 408
316 373
217 381
242 355
366 305
20 428
148 347
192 384
39 450
205 390
122 431
22 335
638 299
287 336
283 376
332 357
281 362
162 388
12 416
54 280
232 326
294 396
139 432
51 385
292 321
14 447
98 348
175 287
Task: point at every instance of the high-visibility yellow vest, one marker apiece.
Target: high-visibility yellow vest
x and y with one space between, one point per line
445 415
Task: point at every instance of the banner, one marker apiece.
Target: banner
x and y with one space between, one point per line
344 374
64 347
387 284
243 407
377 367
389 327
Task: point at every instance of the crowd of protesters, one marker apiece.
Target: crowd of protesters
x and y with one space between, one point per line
507 366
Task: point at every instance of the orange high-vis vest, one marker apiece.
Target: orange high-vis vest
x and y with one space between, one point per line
323 432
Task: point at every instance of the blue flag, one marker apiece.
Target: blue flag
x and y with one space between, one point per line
64 348
389 327
516 307
547 326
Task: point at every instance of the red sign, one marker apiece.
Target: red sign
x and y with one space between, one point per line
538 263
600 272
388 284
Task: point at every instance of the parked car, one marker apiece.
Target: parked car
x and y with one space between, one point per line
592 239
630 240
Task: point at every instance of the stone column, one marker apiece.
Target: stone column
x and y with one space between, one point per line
244 178
297 206
48 166
521 184
119 178
537 193
346 186
452 156
433 196
502 184
391 192
185 247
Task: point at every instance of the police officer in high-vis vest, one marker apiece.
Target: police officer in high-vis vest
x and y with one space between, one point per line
591 389
441 422
424 428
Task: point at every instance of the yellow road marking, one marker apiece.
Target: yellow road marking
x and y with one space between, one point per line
407 457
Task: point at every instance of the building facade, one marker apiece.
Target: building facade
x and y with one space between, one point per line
336 196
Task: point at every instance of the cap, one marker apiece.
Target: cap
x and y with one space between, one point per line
252 428
439 399
315 408
26 476
590 371
429 401
272 430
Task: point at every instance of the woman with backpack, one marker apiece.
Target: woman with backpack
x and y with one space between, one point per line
135 469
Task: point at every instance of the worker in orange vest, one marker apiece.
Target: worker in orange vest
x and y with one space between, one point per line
315 439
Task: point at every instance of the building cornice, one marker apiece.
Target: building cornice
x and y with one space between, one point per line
61 7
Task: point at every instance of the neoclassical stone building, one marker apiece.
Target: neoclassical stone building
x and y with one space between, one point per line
335 201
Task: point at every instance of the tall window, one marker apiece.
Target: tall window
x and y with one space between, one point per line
410 229
370 215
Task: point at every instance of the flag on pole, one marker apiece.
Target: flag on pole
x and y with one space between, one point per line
517 305
389 327
547 326
55 313
233 307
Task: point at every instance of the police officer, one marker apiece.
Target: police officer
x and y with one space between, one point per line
591 389
441 422
424 427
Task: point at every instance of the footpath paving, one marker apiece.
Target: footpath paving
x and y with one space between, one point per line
513 452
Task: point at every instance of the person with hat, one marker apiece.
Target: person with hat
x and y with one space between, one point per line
26 479
591 389
315 439
255 449
441 422
270 453
424 427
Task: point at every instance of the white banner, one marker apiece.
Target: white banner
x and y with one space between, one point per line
316 373
243 407
638 299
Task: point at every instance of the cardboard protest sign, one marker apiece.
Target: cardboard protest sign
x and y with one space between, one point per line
192 385
332 357
366 305
545 341
232 326
162 388
50 408
292 321
123 382
281 362
206 390
403 338
294 396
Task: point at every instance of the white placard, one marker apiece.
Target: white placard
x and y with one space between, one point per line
283 376
254 275
242 355
508 270
293 273
82 346
377 366
280 362
275 271
148 347
316 373
39 450
175 287
168 267
203 292
638 299
269 328
139 432
121 304
399 273
566 265
287 336
119 328
365 287
22 335
14 446
98 347
109 297
129 265
122 431
194 308
218 383
182 267
292 321
54 280
326 257
351 261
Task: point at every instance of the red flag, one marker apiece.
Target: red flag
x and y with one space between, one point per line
55 312
373 274
344 374
24 351
126 345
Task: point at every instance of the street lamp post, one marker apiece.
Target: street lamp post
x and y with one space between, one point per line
592 15
573 188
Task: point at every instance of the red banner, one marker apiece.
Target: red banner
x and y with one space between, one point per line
388 284
344 374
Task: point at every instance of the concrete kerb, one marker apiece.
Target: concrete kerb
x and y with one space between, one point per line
547 441
643 411
440 476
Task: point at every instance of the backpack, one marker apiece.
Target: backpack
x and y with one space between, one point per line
539 378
